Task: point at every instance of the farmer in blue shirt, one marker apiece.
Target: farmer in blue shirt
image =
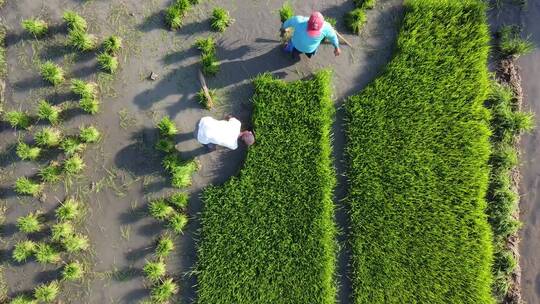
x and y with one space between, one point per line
309 33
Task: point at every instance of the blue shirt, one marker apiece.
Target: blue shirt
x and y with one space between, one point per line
304 42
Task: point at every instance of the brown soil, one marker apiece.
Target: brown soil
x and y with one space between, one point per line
123 171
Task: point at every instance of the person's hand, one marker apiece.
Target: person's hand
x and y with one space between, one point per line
337 51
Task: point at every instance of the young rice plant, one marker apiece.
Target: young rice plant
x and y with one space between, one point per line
48 137
36 27
46 254
112 44
108 62
73 271
47 293
48 112
220 19
154 271
52 73
30 223
24 185
52 173
75 21
18 119
26 152
23 250
89 134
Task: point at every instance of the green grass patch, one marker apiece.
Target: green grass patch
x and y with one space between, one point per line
418 147
268 235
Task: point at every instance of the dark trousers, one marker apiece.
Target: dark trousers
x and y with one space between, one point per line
296 53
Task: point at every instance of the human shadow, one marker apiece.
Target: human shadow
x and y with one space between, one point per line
131 159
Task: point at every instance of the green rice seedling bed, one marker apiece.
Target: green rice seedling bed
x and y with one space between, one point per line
268 235
418 149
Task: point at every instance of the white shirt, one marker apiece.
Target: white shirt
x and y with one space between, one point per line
220 132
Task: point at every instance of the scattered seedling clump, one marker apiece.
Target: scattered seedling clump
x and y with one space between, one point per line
73 165
72 145
207 46
75 21
26 152
36 27
76 243
23 185
399 218
72 271
220 20
46 254
163 291
167 127
47 293
23 299
164 247
179 200
51 173
48 112
61 231
48 137
174 14
83 88
180 170
52 73
30 223
356 19
89 104
68 210
108 62
89 134
165 145
23 250
283 194
154 271
177 222
81 40
160 209
511 43
112 44
18 119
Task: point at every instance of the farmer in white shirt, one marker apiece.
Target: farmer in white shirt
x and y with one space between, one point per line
212 132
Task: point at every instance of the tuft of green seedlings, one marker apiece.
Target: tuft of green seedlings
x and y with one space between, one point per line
112 44
286 12
70 209
356 19
167 127
174 14
74 165
203 100
160 209
179 200
18 119
47 293
220 19
52 73
81 40
177 222
48 137
73 271
72 145
163 291
83 88
207 46
89 104
30 223
165 144
23 299
108 62
154 271
89 134
75 21
180 170
164 247
46 254
26 152
51 173
511 43
23 185
365 4
48 112
61 231
23 250
76 243
35 26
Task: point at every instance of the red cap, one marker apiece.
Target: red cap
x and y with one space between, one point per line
315 24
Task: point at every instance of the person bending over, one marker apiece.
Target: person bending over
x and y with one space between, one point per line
309 33
212 132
